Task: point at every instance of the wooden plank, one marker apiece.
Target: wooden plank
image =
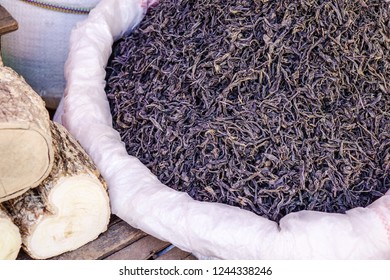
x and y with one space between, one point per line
7 22
143 249
114 239
191 257
113 220
174 254
122 242
23 255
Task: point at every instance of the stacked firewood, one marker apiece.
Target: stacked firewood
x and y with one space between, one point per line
52 197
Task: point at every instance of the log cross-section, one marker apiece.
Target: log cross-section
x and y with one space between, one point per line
69 208
10 240
26 153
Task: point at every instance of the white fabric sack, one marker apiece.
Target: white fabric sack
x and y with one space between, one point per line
39 48
206 229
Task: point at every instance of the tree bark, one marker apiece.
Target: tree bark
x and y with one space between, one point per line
69 208
10 240
26 153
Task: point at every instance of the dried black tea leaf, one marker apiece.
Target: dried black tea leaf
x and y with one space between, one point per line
271 106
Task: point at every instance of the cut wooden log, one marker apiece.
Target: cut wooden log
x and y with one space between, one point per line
7 22
26 153
10 240
68 209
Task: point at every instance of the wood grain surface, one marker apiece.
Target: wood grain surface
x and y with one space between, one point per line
7 22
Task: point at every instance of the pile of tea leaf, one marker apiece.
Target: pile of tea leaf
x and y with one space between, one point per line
273 106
